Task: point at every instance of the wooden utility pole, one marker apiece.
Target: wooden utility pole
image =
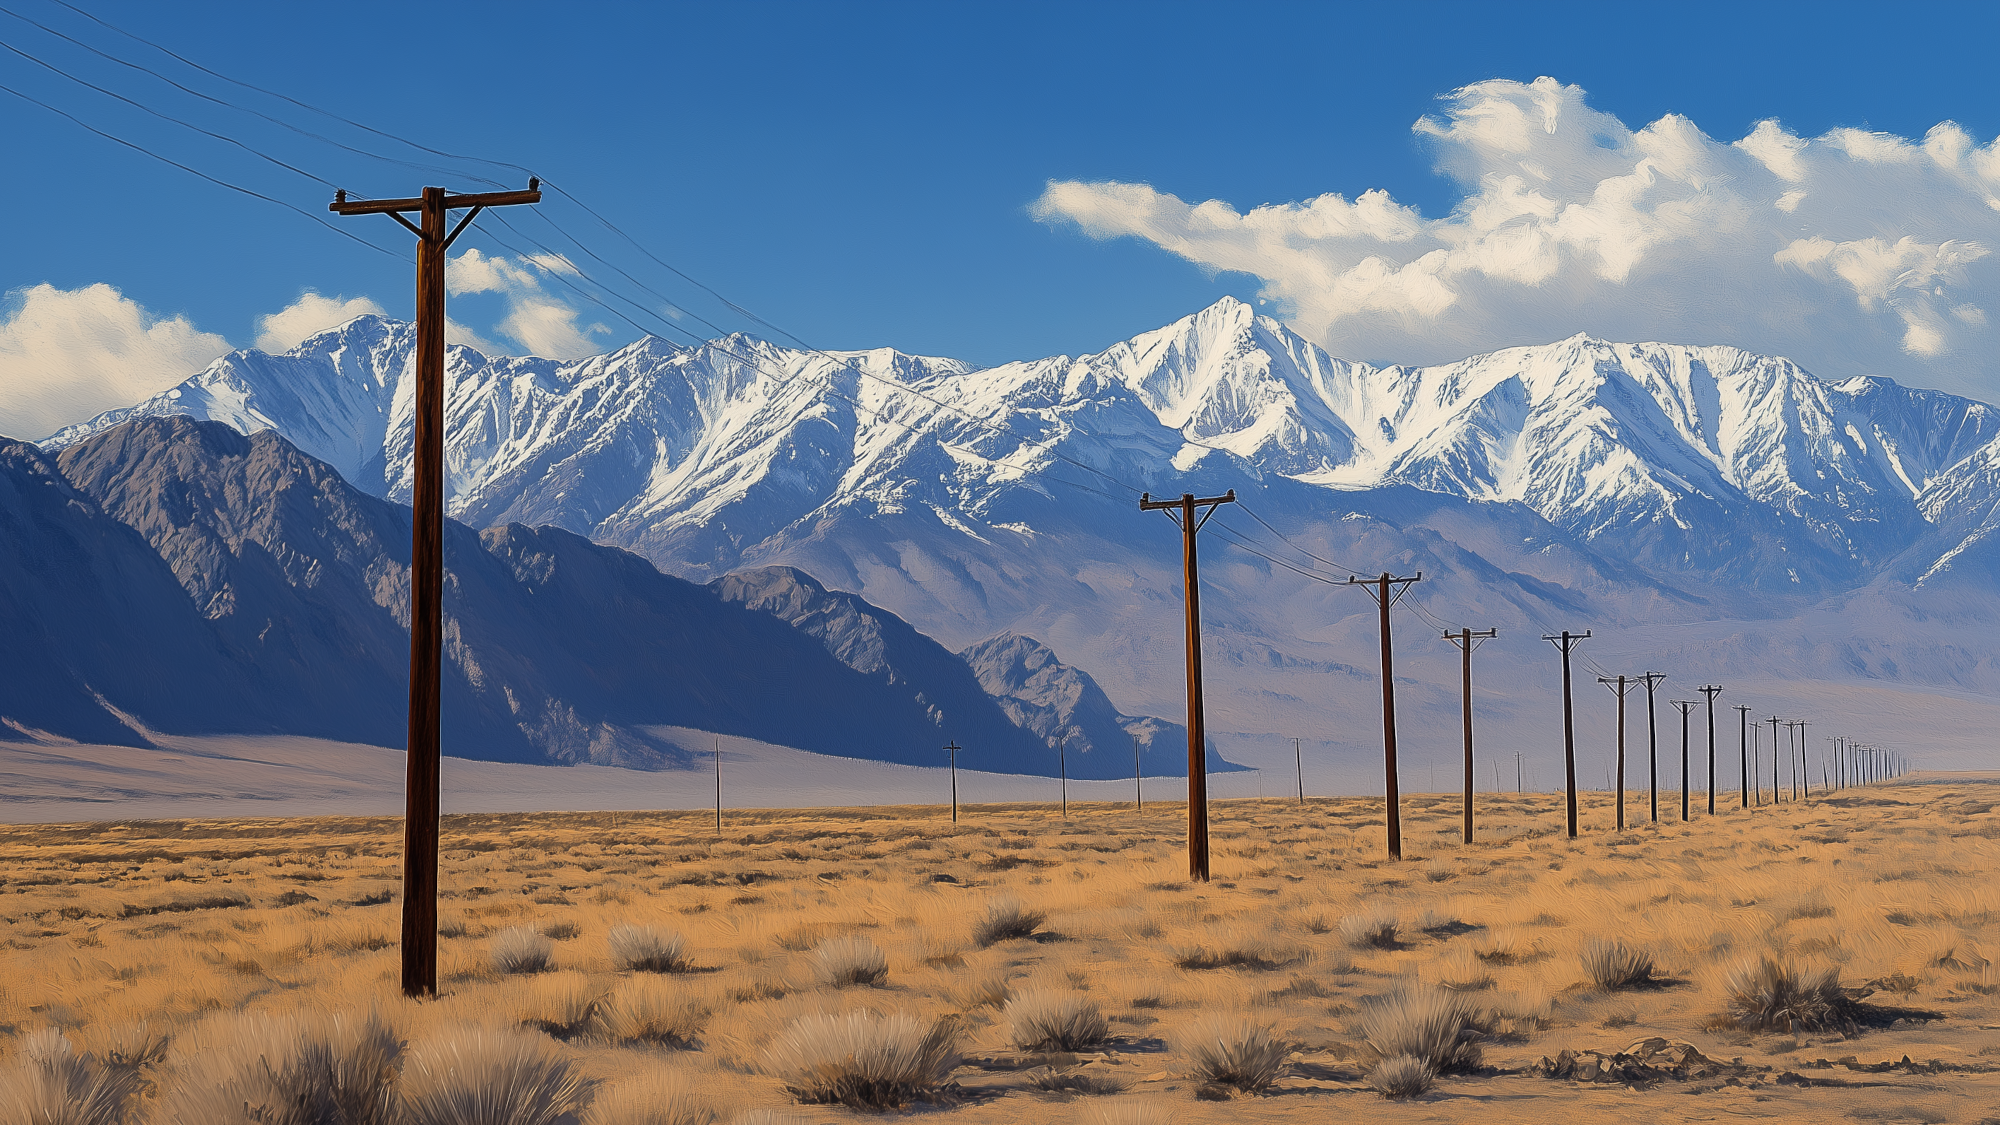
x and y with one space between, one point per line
1743 735
1387 591
1183 513
1709 690
1465 640
1652 681
952 748
420 820
1805 757
1299 764
718 785
1566 641
1619 684
1138 778
1776 795
1686 705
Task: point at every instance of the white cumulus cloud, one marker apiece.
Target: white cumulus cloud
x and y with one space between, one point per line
69 354
538 321
1851 252
285 329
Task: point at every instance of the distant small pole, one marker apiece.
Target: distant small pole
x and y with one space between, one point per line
952 748
1743 735
1062 763
1138 779
1776 793
1686 705
1517 773
1299 763
1709 691
718 785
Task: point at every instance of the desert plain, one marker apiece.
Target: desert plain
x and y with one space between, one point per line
157 944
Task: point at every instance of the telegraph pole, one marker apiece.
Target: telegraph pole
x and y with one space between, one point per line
1621 684
1652 680
1566 641
1062 765
952 748
718 785
1775 795
1466 640
1685 705
1805 758
420 819
1517 773
1792 754
1299 763
1743 735
1138 778
1182 512
1709 691
1388 590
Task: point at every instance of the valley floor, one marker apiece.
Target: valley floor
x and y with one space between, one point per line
185 924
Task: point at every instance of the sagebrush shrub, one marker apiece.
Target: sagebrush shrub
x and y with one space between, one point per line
862 1059
1054 1021
1613 965
559 1004
1369 929
307 1067
483 1076
650 1010
56 1084
1005 920
1403 1076
844 961
1430 1023
1233 1051
647 950
1771 995
519 949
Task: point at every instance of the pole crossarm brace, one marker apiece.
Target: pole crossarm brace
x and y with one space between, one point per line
420 821
1182 512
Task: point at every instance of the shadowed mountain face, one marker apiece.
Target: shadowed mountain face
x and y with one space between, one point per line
204 581
1059 702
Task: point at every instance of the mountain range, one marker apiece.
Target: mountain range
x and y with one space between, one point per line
1688 503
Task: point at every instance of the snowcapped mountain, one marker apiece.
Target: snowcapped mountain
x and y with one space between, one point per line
1659 491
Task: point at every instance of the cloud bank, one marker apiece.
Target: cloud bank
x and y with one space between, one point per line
66 355
539 322
283 330
1851 252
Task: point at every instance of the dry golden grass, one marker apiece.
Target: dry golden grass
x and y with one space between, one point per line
183 927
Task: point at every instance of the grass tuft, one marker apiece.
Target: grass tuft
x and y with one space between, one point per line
1040 1020
847 961
1768 995
647 950
659 1098
1403 1076
56 1084
1234 1052
1433 1024
258 1068
519 949
863 1060
480 1076
1369 929
1613 965
1006 919
650 1010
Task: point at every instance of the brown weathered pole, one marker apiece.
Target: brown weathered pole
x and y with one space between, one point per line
1197 735
1709 691
1393 790
420 819
1466 640
1566 641
1619 685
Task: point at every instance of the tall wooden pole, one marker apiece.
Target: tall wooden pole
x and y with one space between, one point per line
1743 735
420 818
1776 795
1686 706
1805 757
1466 640
1386 590
952 749
1619 684
1299 765
1708 691
1566 641
1062 763
1652 680
1197 735
1138 778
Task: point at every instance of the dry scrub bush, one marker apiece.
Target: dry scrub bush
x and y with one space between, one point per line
841 962
1233 1051
1433 1024
483 1076
1040 1020
1404 1076
1223 947
1772 995
1005 920
54 1084
135 1046
1613 965
1461 970
650 1010
1369 929
660 1098
646 950
519 949
308 1068
862 1059
559 1004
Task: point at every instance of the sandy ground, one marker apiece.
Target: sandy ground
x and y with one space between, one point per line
179 923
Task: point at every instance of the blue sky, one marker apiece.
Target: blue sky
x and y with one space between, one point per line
869 175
